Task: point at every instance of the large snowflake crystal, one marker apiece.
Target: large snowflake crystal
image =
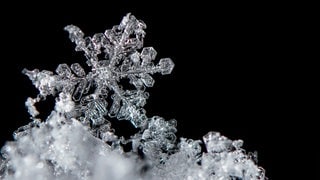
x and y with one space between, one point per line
77 141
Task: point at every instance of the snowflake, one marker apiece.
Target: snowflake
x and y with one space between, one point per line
76 141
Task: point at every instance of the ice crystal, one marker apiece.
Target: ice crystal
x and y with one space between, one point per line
77 140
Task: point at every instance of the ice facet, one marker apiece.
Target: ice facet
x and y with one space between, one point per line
63 70
148 54
166 66
77 69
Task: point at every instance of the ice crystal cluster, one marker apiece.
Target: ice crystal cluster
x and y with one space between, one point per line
77 141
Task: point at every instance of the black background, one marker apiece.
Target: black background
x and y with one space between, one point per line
234 68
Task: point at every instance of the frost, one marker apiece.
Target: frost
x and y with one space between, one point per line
77 140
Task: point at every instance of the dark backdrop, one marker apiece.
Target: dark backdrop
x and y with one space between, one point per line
232 73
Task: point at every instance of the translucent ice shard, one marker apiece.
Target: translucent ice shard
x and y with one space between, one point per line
77 141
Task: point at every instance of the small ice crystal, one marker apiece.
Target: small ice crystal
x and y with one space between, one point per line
77 140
